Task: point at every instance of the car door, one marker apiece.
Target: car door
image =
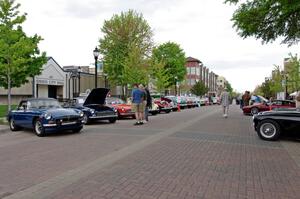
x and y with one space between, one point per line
29 113
19 114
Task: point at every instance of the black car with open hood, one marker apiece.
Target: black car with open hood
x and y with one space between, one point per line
93 106
270 124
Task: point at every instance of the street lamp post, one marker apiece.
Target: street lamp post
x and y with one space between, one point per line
96 54
176 85
79 71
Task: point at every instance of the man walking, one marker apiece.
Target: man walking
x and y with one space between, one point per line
225 101
137 104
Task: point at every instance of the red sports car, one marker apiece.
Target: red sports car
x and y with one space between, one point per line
163 105
267 106
123 109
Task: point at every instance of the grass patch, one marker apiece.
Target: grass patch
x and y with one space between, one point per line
4 110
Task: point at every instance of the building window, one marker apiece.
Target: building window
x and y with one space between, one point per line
193 70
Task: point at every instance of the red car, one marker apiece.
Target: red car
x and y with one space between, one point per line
123 109
163 105
267 106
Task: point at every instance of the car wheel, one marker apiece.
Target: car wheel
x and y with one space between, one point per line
268 130
112 120
13 126
254 111
38 128
85 119
77 130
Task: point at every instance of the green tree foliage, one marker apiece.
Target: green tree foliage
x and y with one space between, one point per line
199 89
292 73
229 87
20 57
275 84
173 58
268 20
161 80
126 43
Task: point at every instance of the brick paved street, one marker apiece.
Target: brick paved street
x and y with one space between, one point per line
191 154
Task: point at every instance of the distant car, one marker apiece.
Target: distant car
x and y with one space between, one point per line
163 105
123 108
270 124
93 106
182 101
204 101
154 110
266 106
44 115
172 101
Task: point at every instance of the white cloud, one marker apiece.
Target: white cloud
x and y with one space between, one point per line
71 30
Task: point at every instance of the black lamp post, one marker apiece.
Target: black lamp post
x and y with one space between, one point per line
79 71
176 85
96 54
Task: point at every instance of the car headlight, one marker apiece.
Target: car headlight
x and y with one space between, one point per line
47 116
81 114
92 111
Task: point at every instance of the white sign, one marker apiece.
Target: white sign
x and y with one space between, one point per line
49 82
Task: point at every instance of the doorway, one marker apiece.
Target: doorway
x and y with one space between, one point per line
52 91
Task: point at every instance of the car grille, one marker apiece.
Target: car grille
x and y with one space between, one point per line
67 119
105 113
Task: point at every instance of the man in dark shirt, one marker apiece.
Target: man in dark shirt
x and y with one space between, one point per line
148 104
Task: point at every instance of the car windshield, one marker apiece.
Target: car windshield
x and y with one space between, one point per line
43 104
114 101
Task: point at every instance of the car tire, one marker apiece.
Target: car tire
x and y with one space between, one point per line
112 120
254 111
13 126
85 119
77 130
268 130
39 129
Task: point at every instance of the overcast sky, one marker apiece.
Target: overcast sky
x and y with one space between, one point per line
71 30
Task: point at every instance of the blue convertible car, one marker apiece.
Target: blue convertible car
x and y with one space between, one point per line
44 115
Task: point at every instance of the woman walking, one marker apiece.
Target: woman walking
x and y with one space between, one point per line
225 101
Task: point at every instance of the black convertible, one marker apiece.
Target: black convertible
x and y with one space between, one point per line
270 124
93 106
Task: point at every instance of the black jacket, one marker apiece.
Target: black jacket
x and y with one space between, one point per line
148 96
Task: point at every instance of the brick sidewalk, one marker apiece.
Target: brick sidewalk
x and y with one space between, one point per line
208 157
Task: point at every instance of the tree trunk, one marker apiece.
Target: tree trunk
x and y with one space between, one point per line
9 93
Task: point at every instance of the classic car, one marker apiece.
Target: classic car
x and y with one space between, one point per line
154 110
163 105
270 124
93 106
266 106
44 115
172 101
123 108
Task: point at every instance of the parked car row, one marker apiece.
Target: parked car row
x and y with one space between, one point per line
45 115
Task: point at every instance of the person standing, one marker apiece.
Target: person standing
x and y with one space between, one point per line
225 101
246 98
297 98
137 104
148 103
144 102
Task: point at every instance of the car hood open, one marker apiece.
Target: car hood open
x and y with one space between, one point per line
96 96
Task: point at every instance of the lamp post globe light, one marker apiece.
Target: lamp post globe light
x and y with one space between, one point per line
96 54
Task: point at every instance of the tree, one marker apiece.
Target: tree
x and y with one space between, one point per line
20 57
199 89
173 59
123 35
275 84
268 20
292 73
229 87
